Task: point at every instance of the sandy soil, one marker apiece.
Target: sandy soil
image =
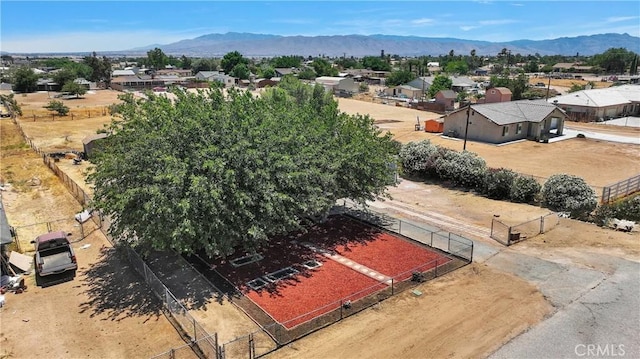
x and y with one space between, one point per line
465 314
105 312
468 313
614 161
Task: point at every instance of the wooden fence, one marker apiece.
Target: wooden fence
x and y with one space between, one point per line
620 189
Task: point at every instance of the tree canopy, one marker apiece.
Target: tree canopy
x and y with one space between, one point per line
25 80
399 77
440 82
231 60
222 173
157 59
74 88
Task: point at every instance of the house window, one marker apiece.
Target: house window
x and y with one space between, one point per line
505 131
519 129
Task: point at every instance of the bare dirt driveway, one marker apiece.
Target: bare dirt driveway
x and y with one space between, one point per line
104 312
518 295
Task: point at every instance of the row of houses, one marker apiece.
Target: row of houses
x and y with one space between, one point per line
538 120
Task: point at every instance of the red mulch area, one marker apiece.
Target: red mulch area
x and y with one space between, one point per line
310 295
392 256
314 292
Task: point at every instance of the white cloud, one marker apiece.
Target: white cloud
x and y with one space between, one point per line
497 22
422 21
516 4
620 18
467 28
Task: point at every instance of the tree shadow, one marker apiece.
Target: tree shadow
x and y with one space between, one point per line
115 290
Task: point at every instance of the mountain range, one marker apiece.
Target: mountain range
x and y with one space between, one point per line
264 45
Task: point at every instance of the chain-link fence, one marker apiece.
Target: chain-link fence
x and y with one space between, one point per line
456 251
76 231
509 235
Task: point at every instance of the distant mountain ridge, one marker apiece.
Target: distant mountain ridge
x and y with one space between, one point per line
250 44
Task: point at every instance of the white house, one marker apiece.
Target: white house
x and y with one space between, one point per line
596 104
336 84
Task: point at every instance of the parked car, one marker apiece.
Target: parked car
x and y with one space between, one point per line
54 254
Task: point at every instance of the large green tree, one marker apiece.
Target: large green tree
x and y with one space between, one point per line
25 80
74 88
399 77
286 61
440 82
223 173
323 67
157 59
614 60
231 60
100 67
375 63
64 76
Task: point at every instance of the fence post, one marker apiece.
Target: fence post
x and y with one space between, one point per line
251 347
541 224
492 220
509 236
431 243
195 332
215 343
436 269
449 243
400 226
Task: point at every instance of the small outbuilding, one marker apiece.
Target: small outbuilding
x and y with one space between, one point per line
89 143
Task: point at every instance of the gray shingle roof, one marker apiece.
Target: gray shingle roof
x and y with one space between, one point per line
504 113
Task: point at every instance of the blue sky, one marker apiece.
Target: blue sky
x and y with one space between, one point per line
84 26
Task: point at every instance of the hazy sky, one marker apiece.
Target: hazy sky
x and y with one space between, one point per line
78 26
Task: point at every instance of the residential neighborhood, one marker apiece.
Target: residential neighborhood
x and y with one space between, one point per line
324 180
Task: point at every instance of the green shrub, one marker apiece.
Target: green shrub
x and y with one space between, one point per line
524 189
464 169
567 193
58 107
417 157
498 182
628 208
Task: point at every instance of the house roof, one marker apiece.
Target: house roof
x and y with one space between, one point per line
285 70
408 88
618 95
503 90
5 228
94 137
448 93
122 73
329 80
505 113
207 74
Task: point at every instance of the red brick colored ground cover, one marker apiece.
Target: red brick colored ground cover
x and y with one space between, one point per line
305 297
392 256
314 292
386 253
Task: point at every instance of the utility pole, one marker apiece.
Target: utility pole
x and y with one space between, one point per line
466 128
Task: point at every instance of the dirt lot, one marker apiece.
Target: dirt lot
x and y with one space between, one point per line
614 161
105 312
469 313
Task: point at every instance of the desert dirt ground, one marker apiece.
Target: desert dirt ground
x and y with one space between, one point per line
105 312
468 313
614 161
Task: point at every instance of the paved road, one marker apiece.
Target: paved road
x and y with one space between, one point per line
596 296
572 133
